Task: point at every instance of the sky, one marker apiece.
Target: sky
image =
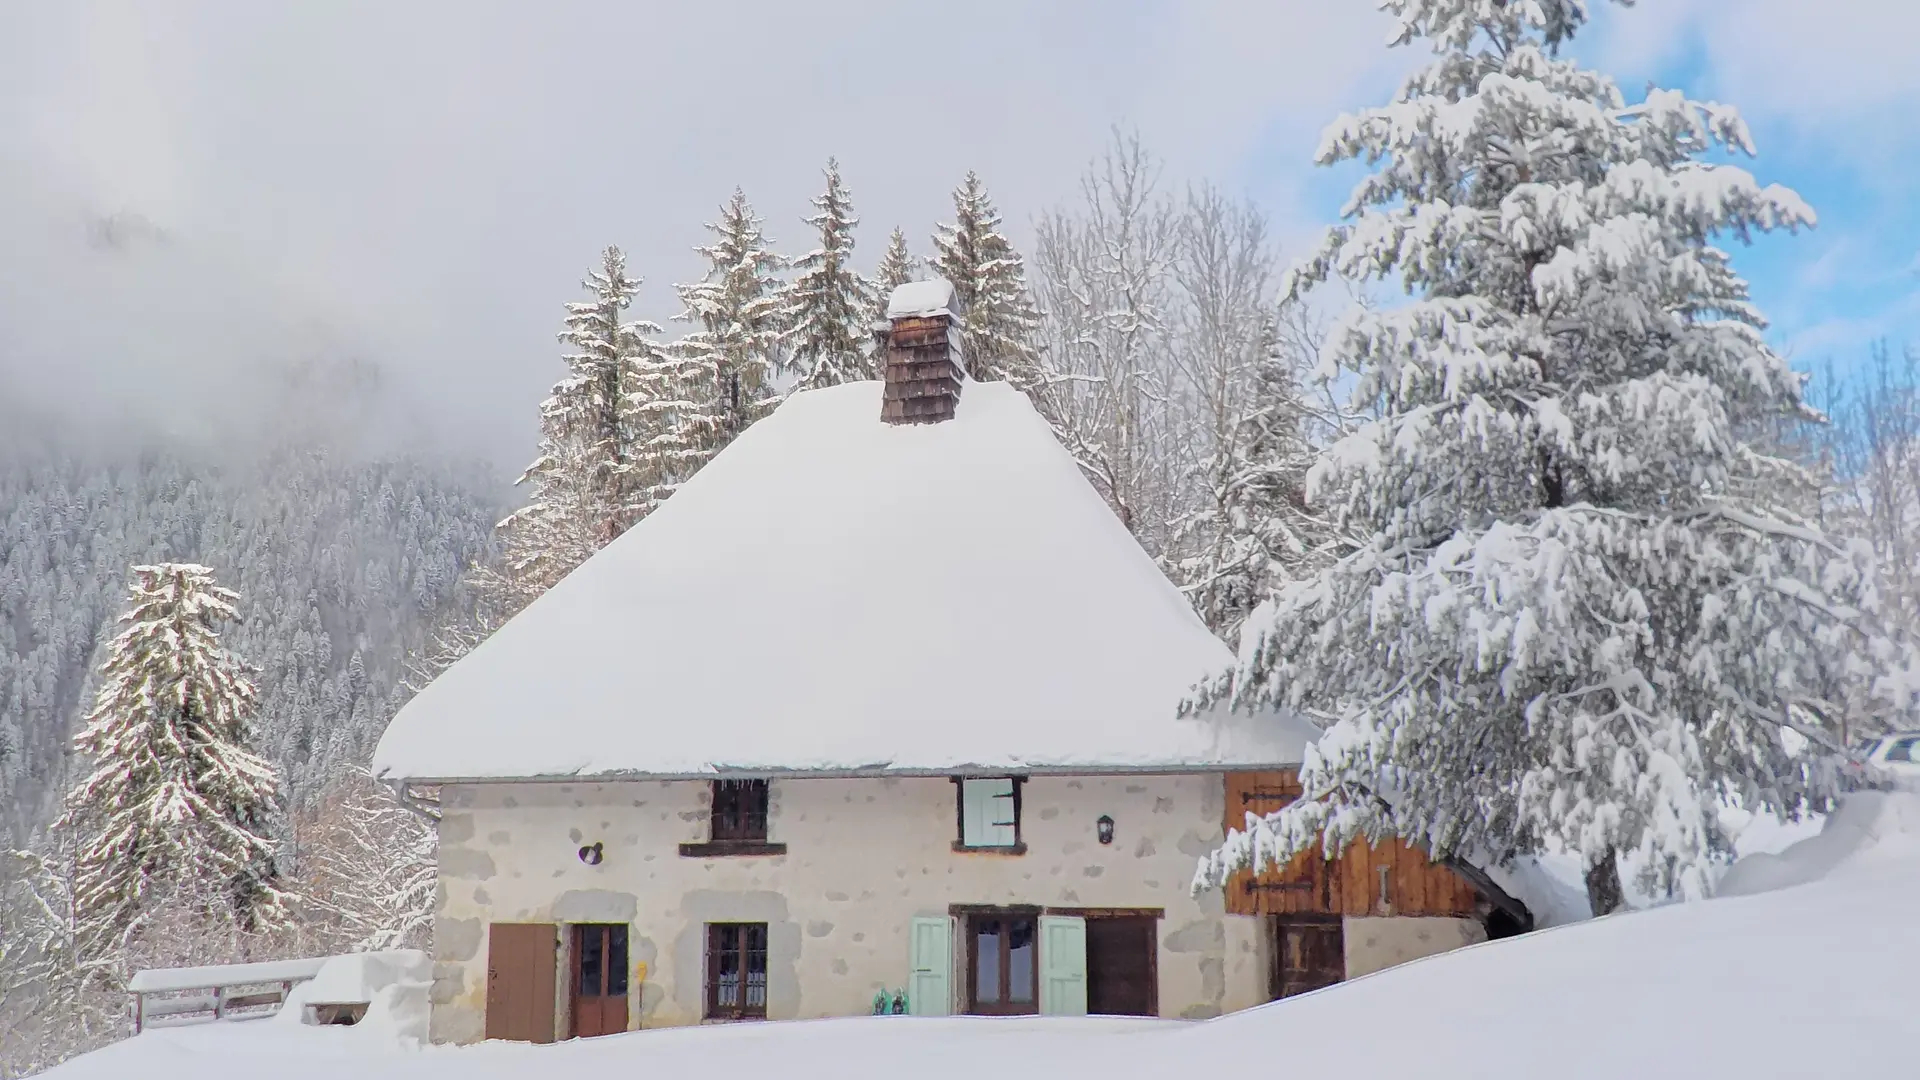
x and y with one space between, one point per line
421 186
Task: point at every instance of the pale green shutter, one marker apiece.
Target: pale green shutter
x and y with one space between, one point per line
929 986
974 797
1063 965
986 813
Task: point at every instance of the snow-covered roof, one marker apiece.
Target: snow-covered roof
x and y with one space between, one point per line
915 299
158 980
841 596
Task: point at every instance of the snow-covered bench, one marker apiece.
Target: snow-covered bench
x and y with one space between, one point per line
216 991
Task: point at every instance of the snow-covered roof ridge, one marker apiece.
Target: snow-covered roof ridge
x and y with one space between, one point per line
921 299
835 595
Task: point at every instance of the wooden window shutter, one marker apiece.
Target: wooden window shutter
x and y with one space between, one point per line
973 813
1063 965
987 813
930 948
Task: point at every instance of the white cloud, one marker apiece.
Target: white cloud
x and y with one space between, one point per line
1796 59
439 176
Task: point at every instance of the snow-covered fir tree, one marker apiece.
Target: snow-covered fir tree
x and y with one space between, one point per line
990 278
334 557
177 800
736 307
587 441
600 466
826 307
896 269
1576 616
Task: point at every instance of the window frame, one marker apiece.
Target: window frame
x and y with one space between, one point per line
1019 845
741 947
1005 917
730 825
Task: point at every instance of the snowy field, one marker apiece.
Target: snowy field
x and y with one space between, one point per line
1818 976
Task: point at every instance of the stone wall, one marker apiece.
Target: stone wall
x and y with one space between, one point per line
863 857
1377 943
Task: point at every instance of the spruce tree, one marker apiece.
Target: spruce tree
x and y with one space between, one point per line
990 279
676 420
1579 614
737 308
826 306
895 269
595 475
177 803
587 439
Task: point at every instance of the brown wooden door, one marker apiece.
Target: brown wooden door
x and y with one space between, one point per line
1307 955
599 980
1121 967
520 981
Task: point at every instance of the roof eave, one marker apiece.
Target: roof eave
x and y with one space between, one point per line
871 772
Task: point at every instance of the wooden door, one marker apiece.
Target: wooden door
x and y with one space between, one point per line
1307 955
520 981
1121 966
598 980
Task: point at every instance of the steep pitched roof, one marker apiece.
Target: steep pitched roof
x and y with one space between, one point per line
836 595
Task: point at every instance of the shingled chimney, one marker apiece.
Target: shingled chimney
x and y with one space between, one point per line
922 372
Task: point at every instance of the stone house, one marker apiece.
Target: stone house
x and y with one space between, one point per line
882 708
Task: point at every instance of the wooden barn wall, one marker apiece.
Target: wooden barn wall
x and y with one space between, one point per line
1349 885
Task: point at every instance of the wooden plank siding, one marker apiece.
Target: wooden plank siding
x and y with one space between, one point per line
1349 885
921 379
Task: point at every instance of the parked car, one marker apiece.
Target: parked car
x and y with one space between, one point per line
1895 755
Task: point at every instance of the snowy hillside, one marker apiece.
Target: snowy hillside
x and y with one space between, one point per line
342 567
1811 980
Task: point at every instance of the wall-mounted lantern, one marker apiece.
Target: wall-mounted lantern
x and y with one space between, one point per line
1105 828
591 854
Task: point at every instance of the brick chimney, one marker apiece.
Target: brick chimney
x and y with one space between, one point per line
922 372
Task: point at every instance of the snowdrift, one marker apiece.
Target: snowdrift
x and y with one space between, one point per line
1813 979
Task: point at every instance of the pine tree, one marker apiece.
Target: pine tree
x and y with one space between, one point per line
825 308
1578 615
587 440
177 802
598 470
676 422
896 269
990 279
737 309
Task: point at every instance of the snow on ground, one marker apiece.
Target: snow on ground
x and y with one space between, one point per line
1817 979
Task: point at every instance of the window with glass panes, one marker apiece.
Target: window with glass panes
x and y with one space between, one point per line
736 971
739 810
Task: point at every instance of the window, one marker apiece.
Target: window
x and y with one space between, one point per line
600 955
1902 750
739 821
1003 964
736 971
989 811
739 810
